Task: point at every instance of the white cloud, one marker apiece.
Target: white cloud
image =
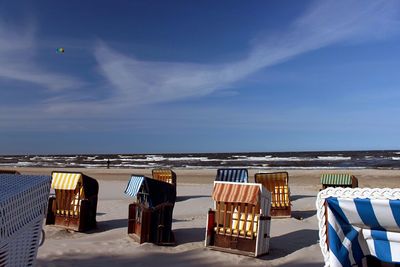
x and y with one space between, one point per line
134 84
324 23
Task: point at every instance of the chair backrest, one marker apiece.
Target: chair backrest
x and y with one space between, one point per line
232 175
75 181
357 222
23 202
71 188
278 184
149 191
338 180
165 175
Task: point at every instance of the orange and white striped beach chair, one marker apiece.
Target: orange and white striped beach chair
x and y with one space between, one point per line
240 221
278 184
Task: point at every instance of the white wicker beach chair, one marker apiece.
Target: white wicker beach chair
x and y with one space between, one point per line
23 203
359 226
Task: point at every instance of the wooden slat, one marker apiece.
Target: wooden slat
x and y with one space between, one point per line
225 211
252 226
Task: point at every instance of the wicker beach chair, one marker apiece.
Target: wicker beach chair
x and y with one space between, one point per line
165 175
23 203
150 216
240 221
338 180
9 172
232 175
359 226
74 205
278 184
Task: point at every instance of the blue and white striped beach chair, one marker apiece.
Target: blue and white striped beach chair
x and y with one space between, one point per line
232 175
357 223
150 216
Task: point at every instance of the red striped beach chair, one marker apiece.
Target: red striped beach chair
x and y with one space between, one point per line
240 220
278 184
74 205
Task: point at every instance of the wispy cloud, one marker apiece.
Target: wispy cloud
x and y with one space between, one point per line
324 23
133 84
17 60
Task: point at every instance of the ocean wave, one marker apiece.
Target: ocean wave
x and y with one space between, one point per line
191 159
395 158
332 158
266 158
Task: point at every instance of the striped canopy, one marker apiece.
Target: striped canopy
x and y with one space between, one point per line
157 192
134 185
65 181
357 227
236 192
336 179
232 175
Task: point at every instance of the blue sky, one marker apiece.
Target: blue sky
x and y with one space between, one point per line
198 76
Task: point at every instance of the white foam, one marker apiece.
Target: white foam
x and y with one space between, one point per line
332 158
188 159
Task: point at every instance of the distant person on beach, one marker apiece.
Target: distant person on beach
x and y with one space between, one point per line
108 163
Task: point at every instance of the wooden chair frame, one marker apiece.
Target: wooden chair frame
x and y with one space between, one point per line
148 223
75 209
164 175
278 184
152 225
239 228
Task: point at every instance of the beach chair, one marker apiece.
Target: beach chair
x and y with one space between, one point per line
74 205
359 226
278 184
240 221
23 203
338 180
232 175
9 172
165 175
150 216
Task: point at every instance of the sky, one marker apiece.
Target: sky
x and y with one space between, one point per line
198 76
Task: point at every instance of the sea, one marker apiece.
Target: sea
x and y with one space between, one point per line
382 159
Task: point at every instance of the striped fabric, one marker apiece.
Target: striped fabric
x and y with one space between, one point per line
359 227
134 185
65 181
277 184
236 192
165 175
232 175
336 179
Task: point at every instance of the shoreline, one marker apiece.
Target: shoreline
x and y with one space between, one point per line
366 177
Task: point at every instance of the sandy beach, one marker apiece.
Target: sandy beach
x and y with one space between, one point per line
294 241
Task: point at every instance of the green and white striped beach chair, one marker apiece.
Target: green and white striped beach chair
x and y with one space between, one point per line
338 180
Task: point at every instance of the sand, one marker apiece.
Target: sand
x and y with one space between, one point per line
294 241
